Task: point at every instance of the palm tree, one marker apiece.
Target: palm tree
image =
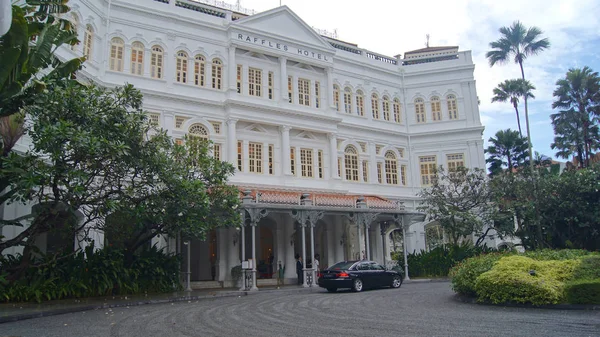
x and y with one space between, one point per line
512 90
507 151
26 66
575 127
519 42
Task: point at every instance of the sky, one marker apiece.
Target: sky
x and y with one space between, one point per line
391 27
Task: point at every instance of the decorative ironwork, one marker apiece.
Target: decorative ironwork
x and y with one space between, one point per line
255 214
304 216
363 219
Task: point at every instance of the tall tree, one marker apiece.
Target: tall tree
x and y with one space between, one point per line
512 91
576 124
507 151
91 155
518 42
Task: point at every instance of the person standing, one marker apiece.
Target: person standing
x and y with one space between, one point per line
316 264
299 268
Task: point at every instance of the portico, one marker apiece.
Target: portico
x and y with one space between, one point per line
351 231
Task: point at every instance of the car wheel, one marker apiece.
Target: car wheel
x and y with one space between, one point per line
332 290
396 282
357 285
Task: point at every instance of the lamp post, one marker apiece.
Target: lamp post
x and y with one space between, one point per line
188 272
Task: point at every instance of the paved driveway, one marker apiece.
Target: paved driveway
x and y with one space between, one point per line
417 309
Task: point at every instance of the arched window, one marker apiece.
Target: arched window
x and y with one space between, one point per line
74 26
360 103
156 62
182 67
420 110
198 130
336 97
348 100
386 108
217 74
436 108
116 54
88 42
137 58
199 70
391 168
375 106
397 113
351 163
452 109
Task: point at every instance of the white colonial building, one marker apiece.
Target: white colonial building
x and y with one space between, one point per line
331 142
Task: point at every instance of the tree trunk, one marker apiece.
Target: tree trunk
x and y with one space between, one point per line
518 118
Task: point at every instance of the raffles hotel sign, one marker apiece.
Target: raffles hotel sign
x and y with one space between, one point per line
283 47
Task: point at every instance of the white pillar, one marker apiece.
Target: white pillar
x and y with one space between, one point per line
285 149
245 159
372 162
333 160
329 91
304 256
127 59
232 142
405 252
254 287
232 71
290 259
283 92
368 252
312 249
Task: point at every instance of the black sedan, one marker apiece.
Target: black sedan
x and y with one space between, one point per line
358 275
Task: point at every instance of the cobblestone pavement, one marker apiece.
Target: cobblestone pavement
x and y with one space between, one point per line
417 309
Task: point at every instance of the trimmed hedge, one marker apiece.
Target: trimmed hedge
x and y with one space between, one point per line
583 291
562 254
589 268
465 273
520 279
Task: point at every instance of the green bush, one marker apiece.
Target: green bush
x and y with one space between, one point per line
92 273
589 268
562 254
583 291
520 279
465 273
438 261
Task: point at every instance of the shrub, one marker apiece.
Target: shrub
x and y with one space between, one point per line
92 273
583 291
465 273
439 260
588 269
521 279
562 254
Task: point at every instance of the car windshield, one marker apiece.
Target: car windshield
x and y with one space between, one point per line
342 265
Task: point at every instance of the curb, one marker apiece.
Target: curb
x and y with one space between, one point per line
471 300
134 303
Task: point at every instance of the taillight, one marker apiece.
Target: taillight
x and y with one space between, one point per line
343 274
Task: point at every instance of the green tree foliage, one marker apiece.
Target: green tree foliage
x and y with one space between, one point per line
94 153
576 124
507 151
511 91
460 201
518 42
27 52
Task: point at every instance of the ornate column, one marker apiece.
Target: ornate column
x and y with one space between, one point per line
313 217
232 71
303 217
367 243
255 214
285 149
333 161
283 93
383 227
231 142
363 220
243 241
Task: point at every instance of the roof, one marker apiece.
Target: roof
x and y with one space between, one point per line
323 199
429 49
